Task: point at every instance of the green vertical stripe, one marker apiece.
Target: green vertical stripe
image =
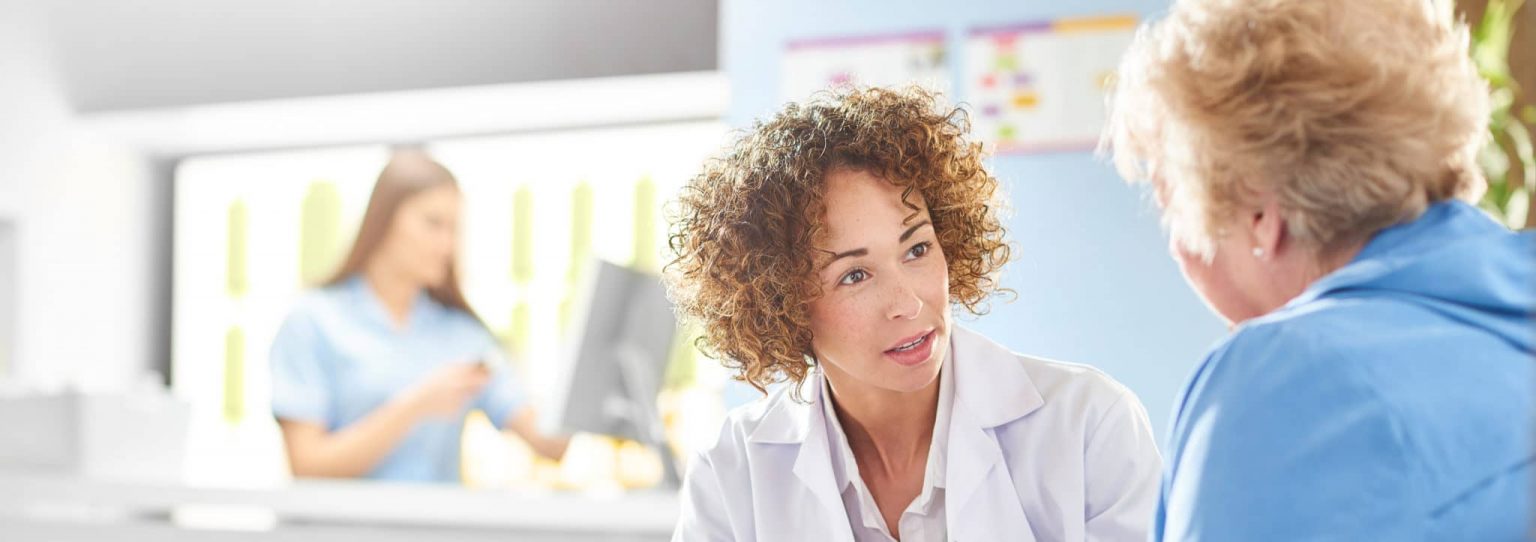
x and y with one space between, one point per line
236 281
683 363
581 248
521 329
234 375
581 228
645 250
319 232
522 235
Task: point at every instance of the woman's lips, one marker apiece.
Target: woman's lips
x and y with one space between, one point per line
913 354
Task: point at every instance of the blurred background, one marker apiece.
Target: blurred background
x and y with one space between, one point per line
175 174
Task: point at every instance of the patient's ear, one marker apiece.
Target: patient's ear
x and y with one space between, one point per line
1266 226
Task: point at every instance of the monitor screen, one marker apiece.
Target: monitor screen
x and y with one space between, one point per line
623 341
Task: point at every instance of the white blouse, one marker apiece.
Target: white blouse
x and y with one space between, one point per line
923 520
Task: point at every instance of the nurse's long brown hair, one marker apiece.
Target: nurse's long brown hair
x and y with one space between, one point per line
409 172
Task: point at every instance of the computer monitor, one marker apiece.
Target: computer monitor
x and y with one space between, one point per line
625 328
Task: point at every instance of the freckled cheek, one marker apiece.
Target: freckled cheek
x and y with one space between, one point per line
845 324
936 281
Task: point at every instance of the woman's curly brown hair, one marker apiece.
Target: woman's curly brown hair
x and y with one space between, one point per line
744 230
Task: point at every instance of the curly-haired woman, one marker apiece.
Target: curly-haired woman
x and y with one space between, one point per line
826 248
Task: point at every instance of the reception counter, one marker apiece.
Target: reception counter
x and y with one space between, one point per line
64 507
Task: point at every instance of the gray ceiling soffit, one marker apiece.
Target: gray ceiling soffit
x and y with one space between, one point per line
117 55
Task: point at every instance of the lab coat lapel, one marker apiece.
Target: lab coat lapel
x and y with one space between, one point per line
991 389
804 425
981 502
813 466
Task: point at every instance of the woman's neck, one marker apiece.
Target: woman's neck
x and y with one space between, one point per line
1327 261
1296 270
395 291
886 429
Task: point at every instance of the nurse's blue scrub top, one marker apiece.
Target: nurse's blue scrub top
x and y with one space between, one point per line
339 356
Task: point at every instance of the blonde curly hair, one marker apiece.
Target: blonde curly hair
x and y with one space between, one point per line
1355 115
744 231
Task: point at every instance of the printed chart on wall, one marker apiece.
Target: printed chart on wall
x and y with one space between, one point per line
817 64
1040 87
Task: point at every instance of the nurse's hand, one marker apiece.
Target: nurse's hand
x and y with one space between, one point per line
445 391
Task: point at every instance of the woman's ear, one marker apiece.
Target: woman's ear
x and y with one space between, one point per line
1267 229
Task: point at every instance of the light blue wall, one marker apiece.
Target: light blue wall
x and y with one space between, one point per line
1095 283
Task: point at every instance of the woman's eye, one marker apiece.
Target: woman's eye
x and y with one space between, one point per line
919 250
854 277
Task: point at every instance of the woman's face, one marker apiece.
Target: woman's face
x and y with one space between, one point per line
1221 281
883 320
423 237
1224 282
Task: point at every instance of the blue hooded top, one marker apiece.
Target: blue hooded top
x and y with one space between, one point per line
1391 400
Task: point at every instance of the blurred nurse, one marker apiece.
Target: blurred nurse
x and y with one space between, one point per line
374 374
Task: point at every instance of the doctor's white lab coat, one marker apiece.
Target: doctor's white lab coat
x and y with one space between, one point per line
1038 450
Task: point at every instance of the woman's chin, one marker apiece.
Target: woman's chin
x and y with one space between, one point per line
917 377
434 281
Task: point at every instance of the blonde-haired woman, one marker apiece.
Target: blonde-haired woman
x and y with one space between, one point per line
1313 161
374 374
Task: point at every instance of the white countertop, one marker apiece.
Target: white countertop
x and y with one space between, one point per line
38 501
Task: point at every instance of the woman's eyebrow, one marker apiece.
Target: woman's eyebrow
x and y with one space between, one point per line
865 252
858 252
907 234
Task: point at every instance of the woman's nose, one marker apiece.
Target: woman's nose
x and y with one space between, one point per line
905 304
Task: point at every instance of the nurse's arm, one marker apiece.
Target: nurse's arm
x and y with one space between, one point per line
524 424
354 450
350 452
